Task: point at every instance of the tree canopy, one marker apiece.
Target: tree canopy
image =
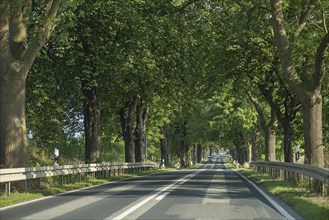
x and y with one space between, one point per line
151 80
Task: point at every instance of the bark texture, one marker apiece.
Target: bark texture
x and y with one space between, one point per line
141 117
165 148
308 92
287 115
182 154
16 59
127 115
92 113
255 146
312 116
199 153
12 120
268 127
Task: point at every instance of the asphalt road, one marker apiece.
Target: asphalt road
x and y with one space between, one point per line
211 192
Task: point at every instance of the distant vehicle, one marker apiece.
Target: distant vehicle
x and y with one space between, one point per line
210 159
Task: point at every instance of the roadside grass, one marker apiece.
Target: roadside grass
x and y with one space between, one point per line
307 204
53 189
228 163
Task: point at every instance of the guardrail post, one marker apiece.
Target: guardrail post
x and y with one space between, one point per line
24 185
106 172
103 172
317 186
7 188
277 173
39 183
61 180
324 189
281 174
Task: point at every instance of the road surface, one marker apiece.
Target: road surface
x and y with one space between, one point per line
210 192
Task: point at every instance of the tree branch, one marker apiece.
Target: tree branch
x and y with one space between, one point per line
258 110
270 100
285 50
319 71
303 19
45 29
323 17
17 31
4 30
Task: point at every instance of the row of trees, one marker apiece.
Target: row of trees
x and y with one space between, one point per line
185 76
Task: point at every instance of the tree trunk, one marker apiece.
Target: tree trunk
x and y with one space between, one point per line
165 148
193 155
187 156
239 154
308 92
255 145
287 115
16 59
182 153
234 154
312 114
268 129
288 141
204 153
269 134
249 152
199 153
91 111
13 138
141 117
127 124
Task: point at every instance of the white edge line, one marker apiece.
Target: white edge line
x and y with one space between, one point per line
162 196
138 205
274 203
158 193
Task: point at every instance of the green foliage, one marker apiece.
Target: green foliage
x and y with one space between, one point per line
112 152
191 61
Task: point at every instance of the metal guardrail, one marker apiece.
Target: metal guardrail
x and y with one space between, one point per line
283 170
9 175
318 173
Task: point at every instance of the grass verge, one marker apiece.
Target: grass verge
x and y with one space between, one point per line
52 189
307 204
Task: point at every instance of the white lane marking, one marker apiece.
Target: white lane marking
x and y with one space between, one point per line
274 203
160 192
138 205
162 196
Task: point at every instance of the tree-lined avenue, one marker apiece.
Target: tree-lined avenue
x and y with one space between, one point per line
210 192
